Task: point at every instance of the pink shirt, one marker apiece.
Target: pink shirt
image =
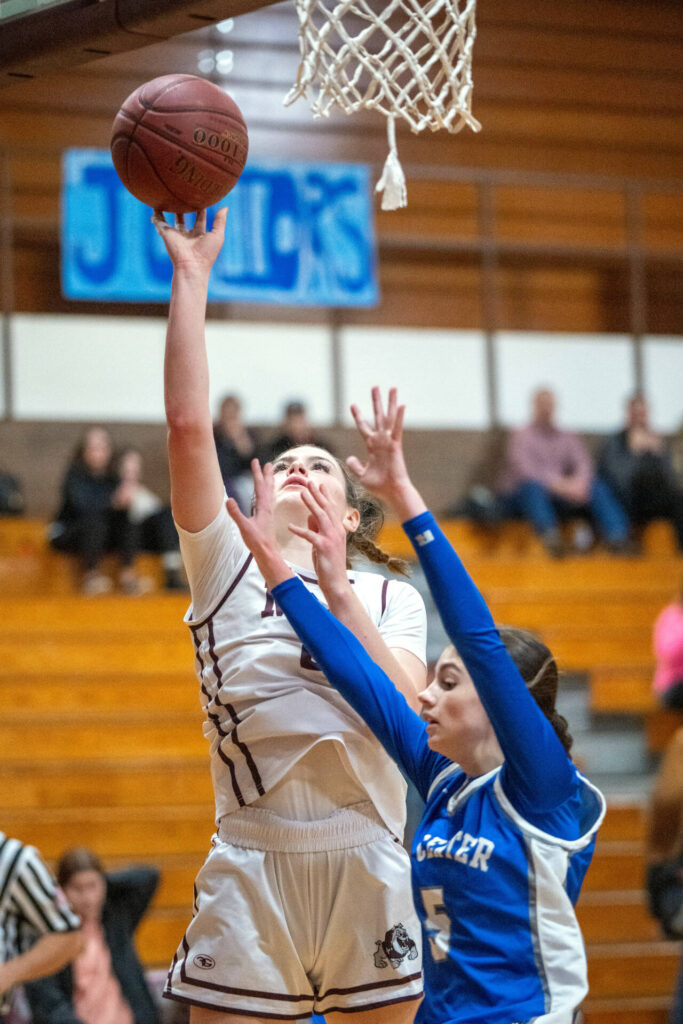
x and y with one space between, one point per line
668 644
97 993
542 453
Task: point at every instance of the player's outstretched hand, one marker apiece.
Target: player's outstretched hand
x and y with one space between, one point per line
384 466
195 247
258 530
384 471
327 536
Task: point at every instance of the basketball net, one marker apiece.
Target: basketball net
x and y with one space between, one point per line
408 59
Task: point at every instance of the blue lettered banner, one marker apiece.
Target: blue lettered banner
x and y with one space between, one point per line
297 234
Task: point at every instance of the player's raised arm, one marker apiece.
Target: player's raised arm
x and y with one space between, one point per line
543 770
196 483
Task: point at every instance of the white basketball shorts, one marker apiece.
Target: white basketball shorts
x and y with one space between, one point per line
295 917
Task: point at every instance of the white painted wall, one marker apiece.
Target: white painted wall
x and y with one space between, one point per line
87 368
440 375
663 375
591 375
110 368
269 364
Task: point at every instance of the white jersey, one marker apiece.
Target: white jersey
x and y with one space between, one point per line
266 702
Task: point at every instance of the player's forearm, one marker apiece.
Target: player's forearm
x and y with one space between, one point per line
186 368
49 954
346 607
405 500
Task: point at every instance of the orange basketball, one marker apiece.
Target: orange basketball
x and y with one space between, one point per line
179 143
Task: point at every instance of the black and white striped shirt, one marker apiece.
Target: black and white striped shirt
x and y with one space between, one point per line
31 902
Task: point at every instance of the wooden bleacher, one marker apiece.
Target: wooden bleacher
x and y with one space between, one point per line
102 742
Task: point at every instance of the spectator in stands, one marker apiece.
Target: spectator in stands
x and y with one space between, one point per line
295 429
152 519
106 983
91 520
236 447
668 647
548 476
637 464
665 854
38 930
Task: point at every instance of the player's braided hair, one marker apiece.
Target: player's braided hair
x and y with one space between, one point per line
362 542
538 669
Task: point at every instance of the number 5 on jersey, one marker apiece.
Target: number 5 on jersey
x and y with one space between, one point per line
438 924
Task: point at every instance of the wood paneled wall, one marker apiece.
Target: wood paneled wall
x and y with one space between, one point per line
569 87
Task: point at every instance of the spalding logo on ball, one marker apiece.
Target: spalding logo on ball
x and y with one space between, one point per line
179 143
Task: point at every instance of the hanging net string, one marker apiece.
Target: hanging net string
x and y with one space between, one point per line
406 59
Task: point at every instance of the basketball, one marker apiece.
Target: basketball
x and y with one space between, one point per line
179 143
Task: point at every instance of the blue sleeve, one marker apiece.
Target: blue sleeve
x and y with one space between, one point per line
362 683
538 775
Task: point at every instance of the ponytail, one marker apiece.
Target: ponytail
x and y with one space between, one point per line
538 668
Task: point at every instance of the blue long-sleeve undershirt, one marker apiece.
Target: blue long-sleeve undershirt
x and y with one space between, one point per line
538 773
538 768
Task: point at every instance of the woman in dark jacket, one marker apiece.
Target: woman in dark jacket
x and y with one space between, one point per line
106 983
93 517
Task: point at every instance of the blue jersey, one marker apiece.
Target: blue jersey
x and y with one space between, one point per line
498 860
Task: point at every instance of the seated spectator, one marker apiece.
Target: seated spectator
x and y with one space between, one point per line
91 521
549 476
668 647
295 429
637 464
106 983
38 930
236 447
152 519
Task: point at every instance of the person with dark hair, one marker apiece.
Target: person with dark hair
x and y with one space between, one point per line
236 447
509 825
106 982
92 518
39 932
307 801
637 464
295 429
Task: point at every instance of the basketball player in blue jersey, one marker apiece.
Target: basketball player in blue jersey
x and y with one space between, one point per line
309 806
509 824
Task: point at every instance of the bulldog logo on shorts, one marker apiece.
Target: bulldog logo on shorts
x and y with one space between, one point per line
395 947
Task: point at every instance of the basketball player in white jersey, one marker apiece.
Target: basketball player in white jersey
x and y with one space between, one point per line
303 904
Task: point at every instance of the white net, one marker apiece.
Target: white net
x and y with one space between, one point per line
402 58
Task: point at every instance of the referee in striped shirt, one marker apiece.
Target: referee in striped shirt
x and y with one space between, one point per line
38 930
